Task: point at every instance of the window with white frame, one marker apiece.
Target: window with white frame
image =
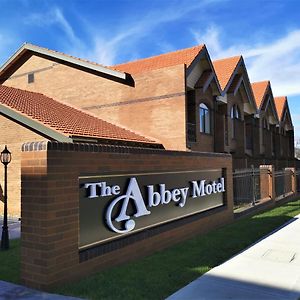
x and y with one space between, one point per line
204 112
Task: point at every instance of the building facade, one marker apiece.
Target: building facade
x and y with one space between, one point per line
32 117
179 101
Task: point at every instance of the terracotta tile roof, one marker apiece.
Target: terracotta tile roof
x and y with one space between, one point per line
63 118
280 104
183 56
259 90
224 69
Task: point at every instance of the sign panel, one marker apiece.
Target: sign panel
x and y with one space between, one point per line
116 205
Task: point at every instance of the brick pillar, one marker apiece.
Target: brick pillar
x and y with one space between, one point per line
292 173
267 181
49 211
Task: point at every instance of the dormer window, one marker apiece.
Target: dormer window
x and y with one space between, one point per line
204 118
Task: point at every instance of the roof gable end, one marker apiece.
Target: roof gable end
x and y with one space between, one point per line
263 95
27 50
225 70
280 104
260 90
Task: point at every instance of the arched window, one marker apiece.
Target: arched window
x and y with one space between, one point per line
235 114
204 112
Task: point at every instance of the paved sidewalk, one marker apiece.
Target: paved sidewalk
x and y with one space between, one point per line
10 291
14 228
270 269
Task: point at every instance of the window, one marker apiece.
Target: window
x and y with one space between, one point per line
273 142
266 125
235 114
30 77
204 118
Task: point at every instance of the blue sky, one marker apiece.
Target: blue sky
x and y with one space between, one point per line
266 33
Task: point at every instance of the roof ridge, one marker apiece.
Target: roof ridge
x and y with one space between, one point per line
61 56
200 46
281 97
69 55
230 57
262 81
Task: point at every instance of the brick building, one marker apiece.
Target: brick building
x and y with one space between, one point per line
236 110
30 117
275 134
181 99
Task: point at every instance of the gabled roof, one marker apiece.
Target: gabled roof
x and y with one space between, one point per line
183 56
59 121
280 103
29 49
259 90
225 68
264 99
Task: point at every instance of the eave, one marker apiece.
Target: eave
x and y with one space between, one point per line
27 50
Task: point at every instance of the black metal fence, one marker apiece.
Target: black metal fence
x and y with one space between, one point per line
247 190
283 182
246 187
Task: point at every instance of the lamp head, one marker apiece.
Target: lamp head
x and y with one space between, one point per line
5 156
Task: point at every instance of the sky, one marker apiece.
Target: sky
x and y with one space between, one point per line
265 32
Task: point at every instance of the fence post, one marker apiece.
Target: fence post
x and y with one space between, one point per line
267 182
293 178
253 185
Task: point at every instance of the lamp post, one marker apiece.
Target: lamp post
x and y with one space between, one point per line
5 159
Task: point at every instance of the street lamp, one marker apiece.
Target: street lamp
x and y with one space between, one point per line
5 159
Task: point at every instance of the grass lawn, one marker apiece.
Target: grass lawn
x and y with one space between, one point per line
10 262
161 274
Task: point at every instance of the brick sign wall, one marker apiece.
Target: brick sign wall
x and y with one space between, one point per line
52 175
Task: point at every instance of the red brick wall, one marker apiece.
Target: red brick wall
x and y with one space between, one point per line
204 142
154 106
50 206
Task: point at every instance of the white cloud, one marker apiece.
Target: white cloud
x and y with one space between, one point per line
277 61
106 50
56 17
211 38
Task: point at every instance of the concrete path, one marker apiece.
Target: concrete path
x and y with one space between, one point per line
14 228
10 291
270 269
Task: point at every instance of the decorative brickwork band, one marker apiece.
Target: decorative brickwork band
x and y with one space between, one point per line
89 147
